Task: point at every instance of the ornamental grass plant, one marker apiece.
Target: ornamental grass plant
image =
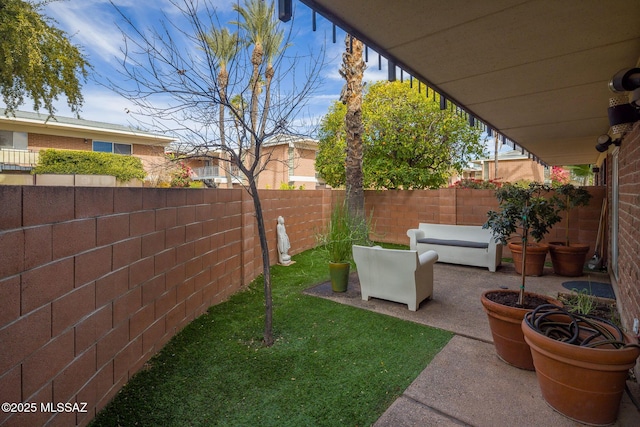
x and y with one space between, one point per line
331 364
341 233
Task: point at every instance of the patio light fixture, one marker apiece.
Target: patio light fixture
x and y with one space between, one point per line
624 109
284 10
604 141
626 80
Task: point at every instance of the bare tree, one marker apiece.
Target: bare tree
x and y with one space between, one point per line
177 88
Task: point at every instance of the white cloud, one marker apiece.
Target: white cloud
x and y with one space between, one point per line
91 26
102 105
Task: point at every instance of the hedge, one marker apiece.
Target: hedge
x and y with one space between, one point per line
124 168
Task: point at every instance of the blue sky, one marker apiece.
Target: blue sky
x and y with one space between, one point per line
94 26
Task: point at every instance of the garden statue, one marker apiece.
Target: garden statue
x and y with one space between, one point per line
283 243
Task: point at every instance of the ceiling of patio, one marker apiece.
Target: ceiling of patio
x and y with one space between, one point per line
537 71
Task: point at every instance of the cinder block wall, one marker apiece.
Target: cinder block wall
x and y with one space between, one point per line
303 213
94 281
394 212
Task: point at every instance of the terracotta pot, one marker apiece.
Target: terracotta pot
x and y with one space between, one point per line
582 383
536 255
339 273
506 330
568 260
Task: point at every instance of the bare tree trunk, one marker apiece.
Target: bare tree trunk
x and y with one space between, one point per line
352 70
266 268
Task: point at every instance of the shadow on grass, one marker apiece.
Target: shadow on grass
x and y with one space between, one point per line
331 364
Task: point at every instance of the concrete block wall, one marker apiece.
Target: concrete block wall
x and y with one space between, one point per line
583 222
303 213
394 212
94 281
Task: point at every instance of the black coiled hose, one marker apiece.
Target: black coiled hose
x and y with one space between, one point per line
579 329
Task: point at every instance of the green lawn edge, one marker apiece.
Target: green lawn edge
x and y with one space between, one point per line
331 364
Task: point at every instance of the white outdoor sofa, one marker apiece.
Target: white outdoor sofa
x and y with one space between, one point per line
458 244
395 275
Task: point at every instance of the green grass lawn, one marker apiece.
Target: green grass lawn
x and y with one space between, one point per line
331 364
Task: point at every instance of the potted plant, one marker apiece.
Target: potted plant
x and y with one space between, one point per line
527 214
337 239
568 258
581 362
524 212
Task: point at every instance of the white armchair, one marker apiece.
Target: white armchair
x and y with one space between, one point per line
395 275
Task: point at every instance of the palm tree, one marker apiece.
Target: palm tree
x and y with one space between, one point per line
261 26
239 106
272 47
582 173
224 46
352 71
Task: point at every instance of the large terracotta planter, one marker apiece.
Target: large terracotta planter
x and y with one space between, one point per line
536 255
582 383
568 260
339 273
505 323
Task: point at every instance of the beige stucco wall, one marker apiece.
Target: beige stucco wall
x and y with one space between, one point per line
514 170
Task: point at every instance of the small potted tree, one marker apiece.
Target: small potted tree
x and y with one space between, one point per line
568 258
524 212
337 239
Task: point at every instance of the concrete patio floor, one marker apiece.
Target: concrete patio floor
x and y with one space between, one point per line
466 384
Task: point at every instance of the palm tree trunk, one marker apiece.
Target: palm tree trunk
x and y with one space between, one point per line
256 60
267 98
223 80
352 70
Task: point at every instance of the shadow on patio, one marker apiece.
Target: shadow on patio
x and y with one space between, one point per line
466 383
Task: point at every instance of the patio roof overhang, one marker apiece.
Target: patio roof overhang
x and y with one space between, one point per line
536 71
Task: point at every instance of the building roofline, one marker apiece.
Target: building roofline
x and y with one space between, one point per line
292 141
79 128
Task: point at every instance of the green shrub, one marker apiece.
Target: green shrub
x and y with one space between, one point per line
287 186
124 168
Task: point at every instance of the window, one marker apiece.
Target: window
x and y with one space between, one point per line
112 147
292 153
17 140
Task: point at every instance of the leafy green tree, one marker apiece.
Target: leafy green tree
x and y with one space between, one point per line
38 60
409 142
331 156
582 174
